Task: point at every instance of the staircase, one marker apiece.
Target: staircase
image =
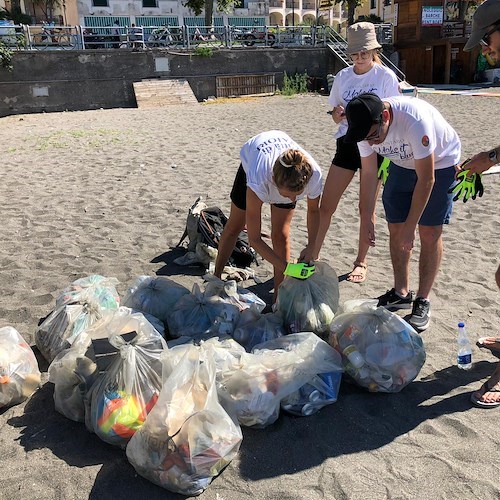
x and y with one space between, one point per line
157 93
338 45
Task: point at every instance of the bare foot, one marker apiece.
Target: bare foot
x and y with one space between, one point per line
358 274
488 395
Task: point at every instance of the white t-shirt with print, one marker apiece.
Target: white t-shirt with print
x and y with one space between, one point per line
258 156
347 85
417 130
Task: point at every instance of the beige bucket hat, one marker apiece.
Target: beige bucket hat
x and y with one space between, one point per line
361 36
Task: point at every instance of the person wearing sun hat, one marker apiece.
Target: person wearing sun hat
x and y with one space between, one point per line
423 149
367 74
486 33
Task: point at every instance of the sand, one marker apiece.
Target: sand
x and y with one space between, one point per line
107 192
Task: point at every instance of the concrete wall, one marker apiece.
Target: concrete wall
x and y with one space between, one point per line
92 79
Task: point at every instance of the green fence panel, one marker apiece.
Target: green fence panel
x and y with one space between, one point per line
246 21
157 21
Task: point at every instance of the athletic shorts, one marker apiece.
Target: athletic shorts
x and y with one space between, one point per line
239 192
398 192
347 156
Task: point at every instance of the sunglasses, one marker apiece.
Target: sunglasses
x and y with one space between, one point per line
485 41
363 55
376 134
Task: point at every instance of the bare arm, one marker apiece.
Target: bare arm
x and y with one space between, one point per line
481 162
254 224
307 255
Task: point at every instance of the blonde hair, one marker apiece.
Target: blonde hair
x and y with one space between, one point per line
292 170
376 57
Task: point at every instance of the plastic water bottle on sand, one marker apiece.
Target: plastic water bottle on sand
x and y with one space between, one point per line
464 353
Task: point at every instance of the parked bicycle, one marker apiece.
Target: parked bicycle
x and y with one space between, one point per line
54 38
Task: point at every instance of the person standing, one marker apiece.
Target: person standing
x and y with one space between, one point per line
367 74
274 169
486 33
423 149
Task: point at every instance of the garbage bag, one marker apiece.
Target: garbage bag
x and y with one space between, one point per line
200 315
272 371
101 288
233 294
63 326
128 385
74 370
380 350
154 295
188 438
309 305
254 328
19 373
320 391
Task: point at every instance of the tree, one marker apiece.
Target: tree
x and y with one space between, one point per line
351 7
197 6
15 14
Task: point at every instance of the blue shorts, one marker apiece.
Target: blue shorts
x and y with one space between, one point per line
398 193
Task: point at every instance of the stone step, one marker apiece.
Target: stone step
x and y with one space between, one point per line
158 93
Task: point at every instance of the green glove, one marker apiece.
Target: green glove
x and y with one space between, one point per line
465 187
301 270
479 187
383 170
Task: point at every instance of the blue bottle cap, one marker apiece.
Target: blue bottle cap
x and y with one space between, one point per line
461 325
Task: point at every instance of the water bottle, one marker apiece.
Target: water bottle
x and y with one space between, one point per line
464 353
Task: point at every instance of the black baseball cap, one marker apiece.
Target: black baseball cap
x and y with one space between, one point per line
361 113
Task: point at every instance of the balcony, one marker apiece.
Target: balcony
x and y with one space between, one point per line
309 4
292 5
276 3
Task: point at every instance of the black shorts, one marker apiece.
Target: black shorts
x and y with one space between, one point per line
239 192
347 156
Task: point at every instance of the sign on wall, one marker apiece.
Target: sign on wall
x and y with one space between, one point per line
432 16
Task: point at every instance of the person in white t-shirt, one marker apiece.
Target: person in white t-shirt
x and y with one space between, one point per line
423 149
276 170
366 75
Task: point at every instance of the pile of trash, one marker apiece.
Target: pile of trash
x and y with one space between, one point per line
177 406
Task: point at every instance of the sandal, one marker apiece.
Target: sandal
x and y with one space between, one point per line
360 275
490 343
485 389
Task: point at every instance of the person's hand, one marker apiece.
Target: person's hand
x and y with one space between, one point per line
368 232
478 184
307 255
338 114
300 270
465 186
477 164
407 238
383 170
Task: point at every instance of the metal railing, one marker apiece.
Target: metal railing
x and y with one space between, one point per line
45 37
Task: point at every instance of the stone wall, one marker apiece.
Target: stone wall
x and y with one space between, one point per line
92 79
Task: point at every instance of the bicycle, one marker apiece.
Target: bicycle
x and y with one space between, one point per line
53 38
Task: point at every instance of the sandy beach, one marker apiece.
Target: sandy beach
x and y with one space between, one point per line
107 192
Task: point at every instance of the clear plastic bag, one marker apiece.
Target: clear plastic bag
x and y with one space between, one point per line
230 292
200 316
74 370
99 287
254 328
380 350
154 295
187 438
62 326
19 373
309 305
273 371
123 395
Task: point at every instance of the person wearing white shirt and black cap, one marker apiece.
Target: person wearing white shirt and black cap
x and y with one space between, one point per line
486 33
423 149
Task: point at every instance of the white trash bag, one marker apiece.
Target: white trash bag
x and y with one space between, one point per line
380 350
19 373
188 438
309 305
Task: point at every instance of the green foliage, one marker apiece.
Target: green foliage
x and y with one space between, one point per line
372 18
295 84
203 51
198 6
351 7
5 57
16 15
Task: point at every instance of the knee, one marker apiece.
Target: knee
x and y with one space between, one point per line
430 235
327 208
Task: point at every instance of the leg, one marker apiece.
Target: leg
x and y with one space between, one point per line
337 180
232 229
280 236
400 260
488 395
431 252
